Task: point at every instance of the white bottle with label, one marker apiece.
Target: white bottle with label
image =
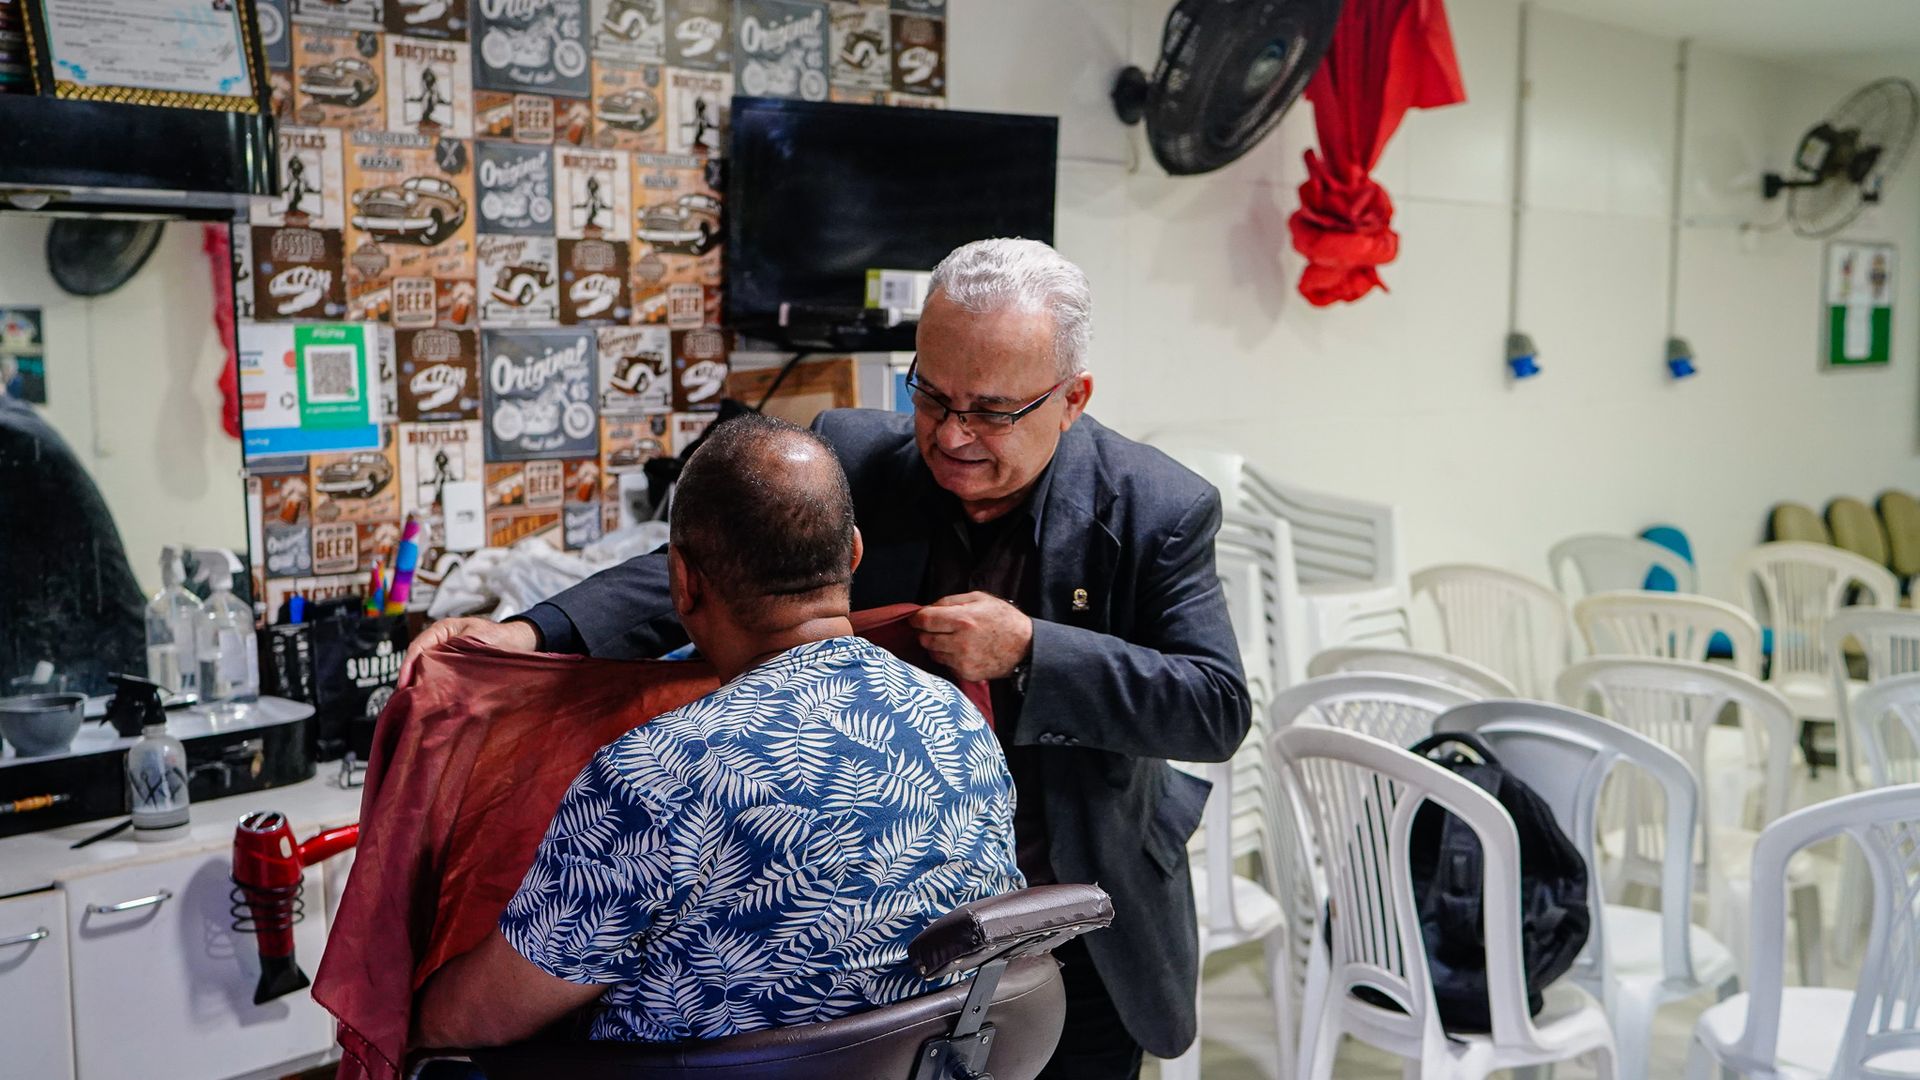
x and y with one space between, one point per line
224 641
157 784
173 623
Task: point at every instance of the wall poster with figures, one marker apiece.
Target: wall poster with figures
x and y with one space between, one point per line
521 204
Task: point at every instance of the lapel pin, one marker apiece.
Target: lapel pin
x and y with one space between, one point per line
1080 600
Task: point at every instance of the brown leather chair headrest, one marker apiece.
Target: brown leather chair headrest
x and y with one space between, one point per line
1026 922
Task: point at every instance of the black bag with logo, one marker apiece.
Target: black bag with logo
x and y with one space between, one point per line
1447 870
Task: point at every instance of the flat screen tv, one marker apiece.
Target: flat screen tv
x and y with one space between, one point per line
818 194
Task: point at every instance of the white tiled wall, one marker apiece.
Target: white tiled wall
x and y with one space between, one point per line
1403 396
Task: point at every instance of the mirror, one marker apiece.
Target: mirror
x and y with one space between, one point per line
120 453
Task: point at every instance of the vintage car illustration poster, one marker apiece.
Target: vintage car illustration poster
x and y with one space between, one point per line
312 182
700 34
593 283
429 87
628 113
439 374
919 55
582 518
540 394
409 209
519 281
699 369
296 274
442 19
537 47
433 456
627 443
354 14
337 77
861 58
592 188
780 48
360 485
515 185
631 30
635 373
697 105
677 230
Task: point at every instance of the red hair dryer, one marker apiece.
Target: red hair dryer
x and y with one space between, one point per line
267 868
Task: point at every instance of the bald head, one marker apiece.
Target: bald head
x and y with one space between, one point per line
762 511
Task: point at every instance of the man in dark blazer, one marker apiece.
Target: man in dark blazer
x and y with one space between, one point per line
1066 565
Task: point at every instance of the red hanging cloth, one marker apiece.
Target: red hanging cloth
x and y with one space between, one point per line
218 246
1387 56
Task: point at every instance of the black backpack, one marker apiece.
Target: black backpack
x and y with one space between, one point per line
1446 871
1446 865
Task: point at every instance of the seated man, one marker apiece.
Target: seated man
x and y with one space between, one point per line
761 857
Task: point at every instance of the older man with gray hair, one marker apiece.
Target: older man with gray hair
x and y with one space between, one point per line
1070 568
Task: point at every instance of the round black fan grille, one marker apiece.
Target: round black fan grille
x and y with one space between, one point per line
1228 71
94 256
1852 153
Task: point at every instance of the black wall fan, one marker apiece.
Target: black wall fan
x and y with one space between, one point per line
1228 71
94 256
1844 161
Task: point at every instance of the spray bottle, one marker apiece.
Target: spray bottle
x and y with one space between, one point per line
157 781
173 618
225 643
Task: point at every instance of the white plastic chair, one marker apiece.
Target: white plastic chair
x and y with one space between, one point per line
1439 667
1635 960
1603 562
1795 588
1678 626
1676 703
1253 555
1352 577
1886 725
1362 794
1500 620
1397 708
1872 1030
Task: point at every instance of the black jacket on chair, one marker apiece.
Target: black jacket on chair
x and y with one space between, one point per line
1134 662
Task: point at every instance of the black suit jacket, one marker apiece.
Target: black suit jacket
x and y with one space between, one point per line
1134 662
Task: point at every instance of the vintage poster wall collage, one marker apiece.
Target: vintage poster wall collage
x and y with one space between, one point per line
521 195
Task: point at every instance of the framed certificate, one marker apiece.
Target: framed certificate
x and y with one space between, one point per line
190 54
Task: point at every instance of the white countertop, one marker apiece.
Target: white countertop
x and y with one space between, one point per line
188 723
42 859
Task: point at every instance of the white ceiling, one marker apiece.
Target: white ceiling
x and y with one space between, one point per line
1775 28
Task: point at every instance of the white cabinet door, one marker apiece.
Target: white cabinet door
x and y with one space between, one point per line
163 986
36 1011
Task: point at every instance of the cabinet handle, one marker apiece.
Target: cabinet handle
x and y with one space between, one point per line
39 934
160 897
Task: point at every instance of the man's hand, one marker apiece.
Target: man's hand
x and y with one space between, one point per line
975 635
516 636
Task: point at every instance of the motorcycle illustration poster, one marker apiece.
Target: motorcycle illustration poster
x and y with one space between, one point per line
539 46
519 281
780 49
539 394
515 185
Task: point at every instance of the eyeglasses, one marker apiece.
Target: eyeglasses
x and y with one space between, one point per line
983 422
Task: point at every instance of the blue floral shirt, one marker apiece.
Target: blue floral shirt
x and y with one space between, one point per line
761 857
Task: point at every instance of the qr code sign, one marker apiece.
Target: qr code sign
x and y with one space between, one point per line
333 374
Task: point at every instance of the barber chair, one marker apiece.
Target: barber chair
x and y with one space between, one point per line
1001 1024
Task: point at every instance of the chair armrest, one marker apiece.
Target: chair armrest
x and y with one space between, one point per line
1025 922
